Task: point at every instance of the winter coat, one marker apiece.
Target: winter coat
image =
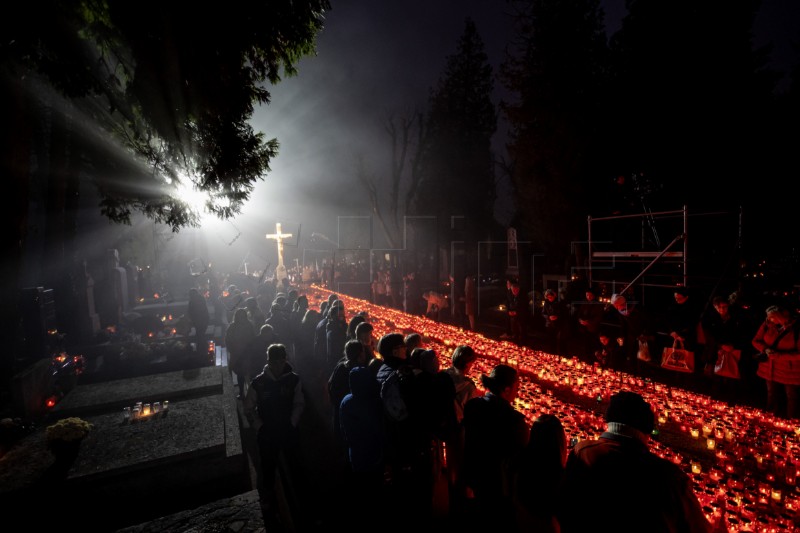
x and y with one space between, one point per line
783 365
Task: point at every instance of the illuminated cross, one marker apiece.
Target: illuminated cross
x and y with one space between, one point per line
280 270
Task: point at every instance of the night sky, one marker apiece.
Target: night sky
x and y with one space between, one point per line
375 59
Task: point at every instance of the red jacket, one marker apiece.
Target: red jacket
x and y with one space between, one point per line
782 366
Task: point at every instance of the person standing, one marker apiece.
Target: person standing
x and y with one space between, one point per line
471 300
495 434
363 431
617 476
517 309
354 354
724 333
588 314
273 407
238 338
681 323
538 476
779 361
462 361
556 322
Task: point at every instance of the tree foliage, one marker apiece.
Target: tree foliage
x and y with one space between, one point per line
556 77
690 91
455 160
678 94
175 83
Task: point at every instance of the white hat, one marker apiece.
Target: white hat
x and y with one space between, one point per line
617 298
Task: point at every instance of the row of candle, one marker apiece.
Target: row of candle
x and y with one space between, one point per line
144 410
762 494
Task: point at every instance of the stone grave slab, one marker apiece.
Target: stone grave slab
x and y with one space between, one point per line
136 470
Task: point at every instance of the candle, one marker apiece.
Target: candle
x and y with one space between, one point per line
711 443
696 468
695 433
776 495
146 410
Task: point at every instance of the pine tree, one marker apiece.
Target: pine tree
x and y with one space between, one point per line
556 76
455 159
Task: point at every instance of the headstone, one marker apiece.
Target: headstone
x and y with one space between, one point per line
88 319
38 314
114 296
132 272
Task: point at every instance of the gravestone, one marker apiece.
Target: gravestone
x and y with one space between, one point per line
134 471
132 272
38 314
88 319
113 297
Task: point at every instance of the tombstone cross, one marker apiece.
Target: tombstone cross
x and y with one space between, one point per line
280 270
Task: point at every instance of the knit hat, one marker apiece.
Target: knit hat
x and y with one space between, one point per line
631 409
617 298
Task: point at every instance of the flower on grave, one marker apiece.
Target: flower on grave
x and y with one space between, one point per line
135 351
68 429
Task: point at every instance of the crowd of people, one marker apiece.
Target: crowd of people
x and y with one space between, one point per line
450 452
740 353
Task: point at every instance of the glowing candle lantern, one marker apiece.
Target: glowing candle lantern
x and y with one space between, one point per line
695 433
696 467
711 443
790 504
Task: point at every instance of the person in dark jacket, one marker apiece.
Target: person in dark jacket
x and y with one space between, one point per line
495 434
364 433
353 355
538 475
273 407
616 476
556 322
335 336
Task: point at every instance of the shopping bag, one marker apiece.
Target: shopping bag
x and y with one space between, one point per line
643 354
727 364
677 358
